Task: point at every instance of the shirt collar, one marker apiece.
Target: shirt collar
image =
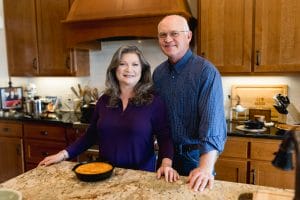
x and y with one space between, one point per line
181 63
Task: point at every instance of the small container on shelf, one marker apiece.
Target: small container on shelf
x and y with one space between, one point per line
238 113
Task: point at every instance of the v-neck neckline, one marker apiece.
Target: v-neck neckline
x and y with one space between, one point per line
123 110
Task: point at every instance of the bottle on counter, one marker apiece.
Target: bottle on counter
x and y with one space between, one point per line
37 106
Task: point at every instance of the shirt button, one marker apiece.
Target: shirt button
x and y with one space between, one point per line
173 77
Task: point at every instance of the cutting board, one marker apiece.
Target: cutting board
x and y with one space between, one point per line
258 96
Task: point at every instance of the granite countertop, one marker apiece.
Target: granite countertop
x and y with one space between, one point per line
59 182
67 118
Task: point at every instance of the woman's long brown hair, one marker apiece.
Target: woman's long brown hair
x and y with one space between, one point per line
144 88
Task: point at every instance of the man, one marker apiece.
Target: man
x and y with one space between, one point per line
192 89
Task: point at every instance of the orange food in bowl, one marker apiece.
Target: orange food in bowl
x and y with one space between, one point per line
93 168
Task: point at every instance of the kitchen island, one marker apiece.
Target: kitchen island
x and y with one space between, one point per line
60 182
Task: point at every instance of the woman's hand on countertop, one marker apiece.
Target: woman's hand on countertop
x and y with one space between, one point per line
55 158
166 170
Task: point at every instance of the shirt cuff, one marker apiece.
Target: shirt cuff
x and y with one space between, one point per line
65 154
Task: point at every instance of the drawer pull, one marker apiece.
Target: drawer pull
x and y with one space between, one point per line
45 153
44 133
18 149
258 58
5 129
253 177
34 63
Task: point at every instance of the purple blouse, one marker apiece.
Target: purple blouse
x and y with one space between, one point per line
125 138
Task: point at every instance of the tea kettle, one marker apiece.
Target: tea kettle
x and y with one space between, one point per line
238 108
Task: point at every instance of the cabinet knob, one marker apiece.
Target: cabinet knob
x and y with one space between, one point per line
18 150
5 129
45 153
44 133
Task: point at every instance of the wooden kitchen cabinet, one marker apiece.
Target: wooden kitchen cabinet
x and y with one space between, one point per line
35 40
233 170
277 36
225 34
262 172
41 140
248 160
21 39
232 165
11 149
240 36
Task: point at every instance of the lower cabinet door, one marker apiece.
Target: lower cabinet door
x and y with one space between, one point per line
264 173
36 151
11 159
231 170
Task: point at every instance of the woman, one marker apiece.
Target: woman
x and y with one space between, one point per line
126 118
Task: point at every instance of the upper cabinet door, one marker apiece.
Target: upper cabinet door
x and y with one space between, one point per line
21 40
54 57
35 40
226 33
277 36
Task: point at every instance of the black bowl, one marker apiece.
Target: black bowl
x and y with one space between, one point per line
253 124
93 177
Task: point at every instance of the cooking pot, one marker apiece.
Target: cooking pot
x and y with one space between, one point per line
87 112
254 124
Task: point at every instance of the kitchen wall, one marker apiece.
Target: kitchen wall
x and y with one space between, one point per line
60 86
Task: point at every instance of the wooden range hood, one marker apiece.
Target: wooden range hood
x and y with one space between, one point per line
93 20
